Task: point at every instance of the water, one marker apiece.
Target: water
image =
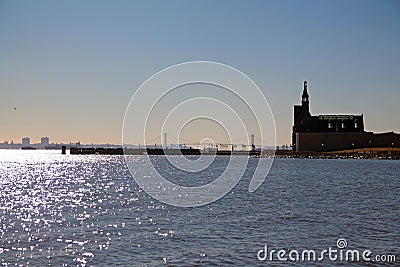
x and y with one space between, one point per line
66 210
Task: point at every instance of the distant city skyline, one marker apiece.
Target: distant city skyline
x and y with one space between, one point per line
69 68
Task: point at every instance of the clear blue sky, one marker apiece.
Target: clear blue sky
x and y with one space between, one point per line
70 67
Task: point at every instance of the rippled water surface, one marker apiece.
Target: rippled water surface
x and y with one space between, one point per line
67 210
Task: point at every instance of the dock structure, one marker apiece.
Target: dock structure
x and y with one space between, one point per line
158 151
187 148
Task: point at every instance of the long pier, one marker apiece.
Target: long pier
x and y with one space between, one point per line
378 154
158 151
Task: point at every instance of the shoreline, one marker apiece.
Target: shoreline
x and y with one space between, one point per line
387 155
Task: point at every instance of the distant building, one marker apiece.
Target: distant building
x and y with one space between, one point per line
333 132
44 141
26 141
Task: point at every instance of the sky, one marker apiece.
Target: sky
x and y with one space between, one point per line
69 68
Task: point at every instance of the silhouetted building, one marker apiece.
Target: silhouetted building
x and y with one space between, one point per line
305 123
333 132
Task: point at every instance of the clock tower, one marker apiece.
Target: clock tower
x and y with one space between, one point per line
305 101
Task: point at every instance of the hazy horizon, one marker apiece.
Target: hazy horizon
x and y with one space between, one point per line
68 69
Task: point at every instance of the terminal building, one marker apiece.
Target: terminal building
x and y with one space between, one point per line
334 132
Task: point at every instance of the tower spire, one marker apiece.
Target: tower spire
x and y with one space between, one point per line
305 93
305 96
305 101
